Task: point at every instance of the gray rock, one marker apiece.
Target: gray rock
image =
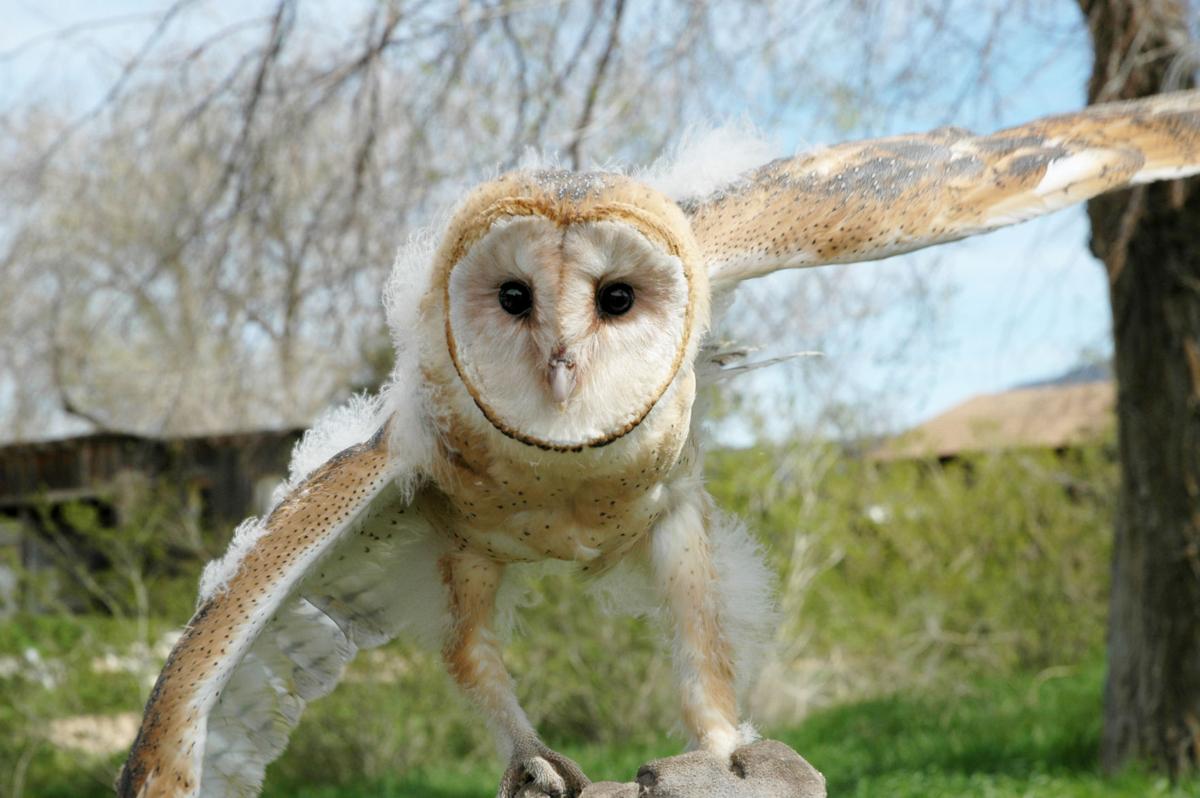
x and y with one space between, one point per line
765 769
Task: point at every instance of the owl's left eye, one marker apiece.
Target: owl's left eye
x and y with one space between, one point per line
516 298
615 299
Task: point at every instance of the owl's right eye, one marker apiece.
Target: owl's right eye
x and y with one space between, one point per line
516 298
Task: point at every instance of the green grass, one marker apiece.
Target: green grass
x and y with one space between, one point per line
1019 738
999 739
943 584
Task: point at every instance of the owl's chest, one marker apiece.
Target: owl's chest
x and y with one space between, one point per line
578 522
589 508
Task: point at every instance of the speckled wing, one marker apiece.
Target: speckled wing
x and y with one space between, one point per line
329 571
873 199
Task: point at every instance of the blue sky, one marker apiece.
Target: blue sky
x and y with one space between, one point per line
1019 305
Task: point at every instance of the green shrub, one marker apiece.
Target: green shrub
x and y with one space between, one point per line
915 570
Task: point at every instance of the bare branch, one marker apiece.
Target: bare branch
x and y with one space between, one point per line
118 86
593 90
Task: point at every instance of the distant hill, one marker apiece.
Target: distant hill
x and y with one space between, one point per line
1092 372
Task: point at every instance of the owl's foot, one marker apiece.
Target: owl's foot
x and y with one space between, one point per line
544 773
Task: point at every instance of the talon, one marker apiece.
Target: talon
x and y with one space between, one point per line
546 774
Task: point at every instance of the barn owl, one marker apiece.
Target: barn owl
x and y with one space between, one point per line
549 351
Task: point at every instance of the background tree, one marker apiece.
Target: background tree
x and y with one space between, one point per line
201 247
1149 240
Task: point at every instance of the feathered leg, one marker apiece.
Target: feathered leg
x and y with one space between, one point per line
473 658
681 554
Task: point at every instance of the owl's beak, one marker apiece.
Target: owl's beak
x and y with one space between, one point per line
562 377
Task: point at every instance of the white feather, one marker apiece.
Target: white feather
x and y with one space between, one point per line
746 587
1063 173
1173 172
218 572
708 159
334 430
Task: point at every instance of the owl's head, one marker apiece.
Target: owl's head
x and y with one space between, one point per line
570 303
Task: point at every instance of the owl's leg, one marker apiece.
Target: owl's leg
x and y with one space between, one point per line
473 658
681 556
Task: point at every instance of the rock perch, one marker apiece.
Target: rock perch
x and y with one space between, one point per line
765 769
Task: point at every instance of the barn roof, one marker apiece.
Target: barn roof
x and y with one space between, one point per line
1040 417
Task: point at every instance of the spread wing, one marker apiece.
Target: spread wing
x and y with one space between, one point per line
332 569
872 199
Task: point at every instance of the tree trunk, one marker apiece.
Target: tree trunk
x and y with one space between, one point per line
1149 240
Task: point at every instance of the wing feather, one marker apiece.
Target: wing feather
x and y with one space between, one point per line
872 199
314 585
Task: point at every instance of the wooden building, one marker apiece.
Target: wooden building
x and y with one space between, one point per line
223 477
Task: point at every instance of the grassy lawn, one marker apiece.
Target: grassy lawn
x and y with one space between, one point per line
1006 566
999 738
1022 737
1033 736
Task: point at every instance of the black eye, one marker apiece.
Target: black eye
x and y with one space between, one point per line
615 299
516 298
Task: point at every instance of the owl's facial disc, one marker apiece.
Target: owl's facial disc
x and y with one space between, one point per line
566 335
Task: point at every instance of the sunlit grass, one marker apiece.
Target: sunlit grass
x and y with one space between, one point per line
1018 738
960 594
1026 736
